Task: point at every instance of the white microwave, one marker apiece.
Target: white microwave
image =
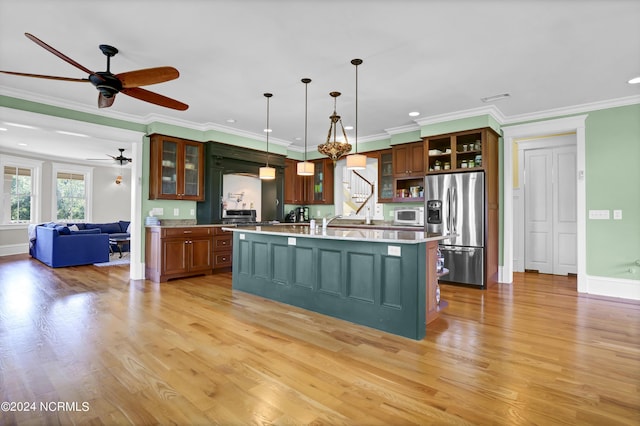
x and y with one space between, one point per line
410 216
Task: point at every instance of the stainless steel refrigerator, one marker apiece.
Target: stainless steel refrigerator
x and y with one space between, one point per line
455 204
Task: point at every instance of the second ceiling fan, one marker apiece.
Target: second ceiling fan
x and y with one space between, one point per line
109 84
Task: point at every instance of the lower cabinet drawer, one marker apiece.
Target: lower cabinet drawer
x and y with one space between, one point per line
222 259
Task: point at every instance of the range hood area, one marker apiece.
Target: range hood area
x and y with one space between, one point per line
222 159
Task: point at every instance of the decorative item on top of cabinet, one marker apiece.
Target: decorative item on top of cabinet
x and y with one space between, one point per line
176 169
408 160
461 151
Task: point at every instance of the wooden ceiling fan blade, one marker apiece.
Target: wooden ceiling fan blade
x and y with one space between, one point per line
59 54
148 76
155 98
49 77
104 102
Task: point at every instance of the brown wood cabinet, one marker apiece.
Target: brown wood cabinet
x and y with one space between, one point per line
386 183
316 189
178 252
176 169
222 248
472 149
408 160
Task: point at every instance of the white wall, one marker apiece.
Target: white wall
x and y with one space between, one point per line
111 202
237 184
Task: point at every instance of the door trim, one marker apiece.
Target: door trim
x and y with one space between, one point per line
575 124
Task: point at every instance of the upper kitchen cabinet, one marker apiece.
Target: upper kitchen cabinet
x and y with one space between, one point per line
293 184
386 189
473 149
316 189
176 169
320 185
408 160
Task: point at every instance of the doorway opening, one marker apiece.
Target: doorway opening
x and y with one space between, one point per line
544 202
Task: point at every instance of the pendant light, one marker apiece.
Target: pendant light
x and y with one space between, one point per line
266 172
305 168
356 161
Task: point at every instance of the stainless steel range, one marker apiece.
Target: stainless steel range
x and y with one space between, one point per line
239 217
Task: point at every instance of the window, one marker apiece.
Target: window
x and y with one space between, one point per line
20 190
72 188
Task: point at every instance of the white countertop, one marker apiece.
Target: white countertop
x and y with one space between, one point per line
337 233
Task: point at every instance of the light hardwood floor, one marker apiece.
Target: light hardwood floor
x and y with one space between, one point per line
193 351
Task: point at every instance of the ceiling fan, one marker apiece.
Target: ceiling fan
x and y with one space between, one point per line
120 159
109 84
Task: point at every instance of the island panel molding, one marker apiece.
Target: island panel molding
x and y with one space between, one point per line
355 279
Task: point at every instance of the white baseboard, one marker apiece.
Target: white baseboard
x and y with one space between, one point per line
613 287
9 249
502 278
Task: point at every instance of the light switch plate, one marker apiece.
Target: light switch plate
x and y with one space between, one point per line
291 241
599 214
617 215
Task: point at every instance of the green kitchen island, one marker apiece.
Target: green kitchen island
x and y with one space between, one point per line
385 279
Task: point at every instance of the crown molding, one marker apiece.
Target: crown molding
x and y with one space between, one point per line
402 129
490 110
146 120
572 110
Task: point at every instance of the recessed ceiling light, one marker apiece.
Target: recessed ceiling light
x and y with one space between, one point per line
495 97
634 80
231 120
267 130
62 132
298 138
24 126
414 114
3 129
22 144
348 127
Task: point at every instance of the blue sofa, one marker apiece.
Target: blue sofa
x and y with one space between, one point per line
58 245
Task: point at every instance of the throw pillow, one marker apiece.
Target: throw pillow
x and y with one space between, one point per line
62 230
73 228
86 231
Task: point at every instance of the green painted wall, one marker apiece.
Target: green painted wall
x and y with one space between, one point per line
613 183
612 173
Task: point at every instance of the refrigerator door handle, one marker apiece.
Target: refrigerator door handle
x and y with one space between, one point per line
448 210
454 208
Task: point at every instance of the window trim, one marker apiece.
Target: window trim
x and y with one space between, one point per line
36 185
87 172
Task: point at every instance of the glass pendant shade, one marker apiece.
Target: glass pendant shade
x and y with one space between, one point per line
356 162
305 168
267 173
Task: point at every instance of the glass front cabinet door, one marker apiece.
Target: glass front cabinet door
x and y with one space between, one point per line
176 169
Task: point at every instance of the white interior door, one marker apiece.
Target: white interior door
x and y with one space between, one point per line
565 211
551 210
538 253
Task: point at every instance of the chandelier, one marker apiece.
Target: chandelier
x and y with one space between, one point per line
334 149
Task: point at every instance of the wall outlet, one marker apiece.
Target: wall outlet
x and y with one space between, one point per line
599 214
617 215
192 212
176 212
157 211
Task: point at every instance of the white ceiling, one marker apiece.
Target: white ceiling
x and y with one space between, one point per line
435 57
